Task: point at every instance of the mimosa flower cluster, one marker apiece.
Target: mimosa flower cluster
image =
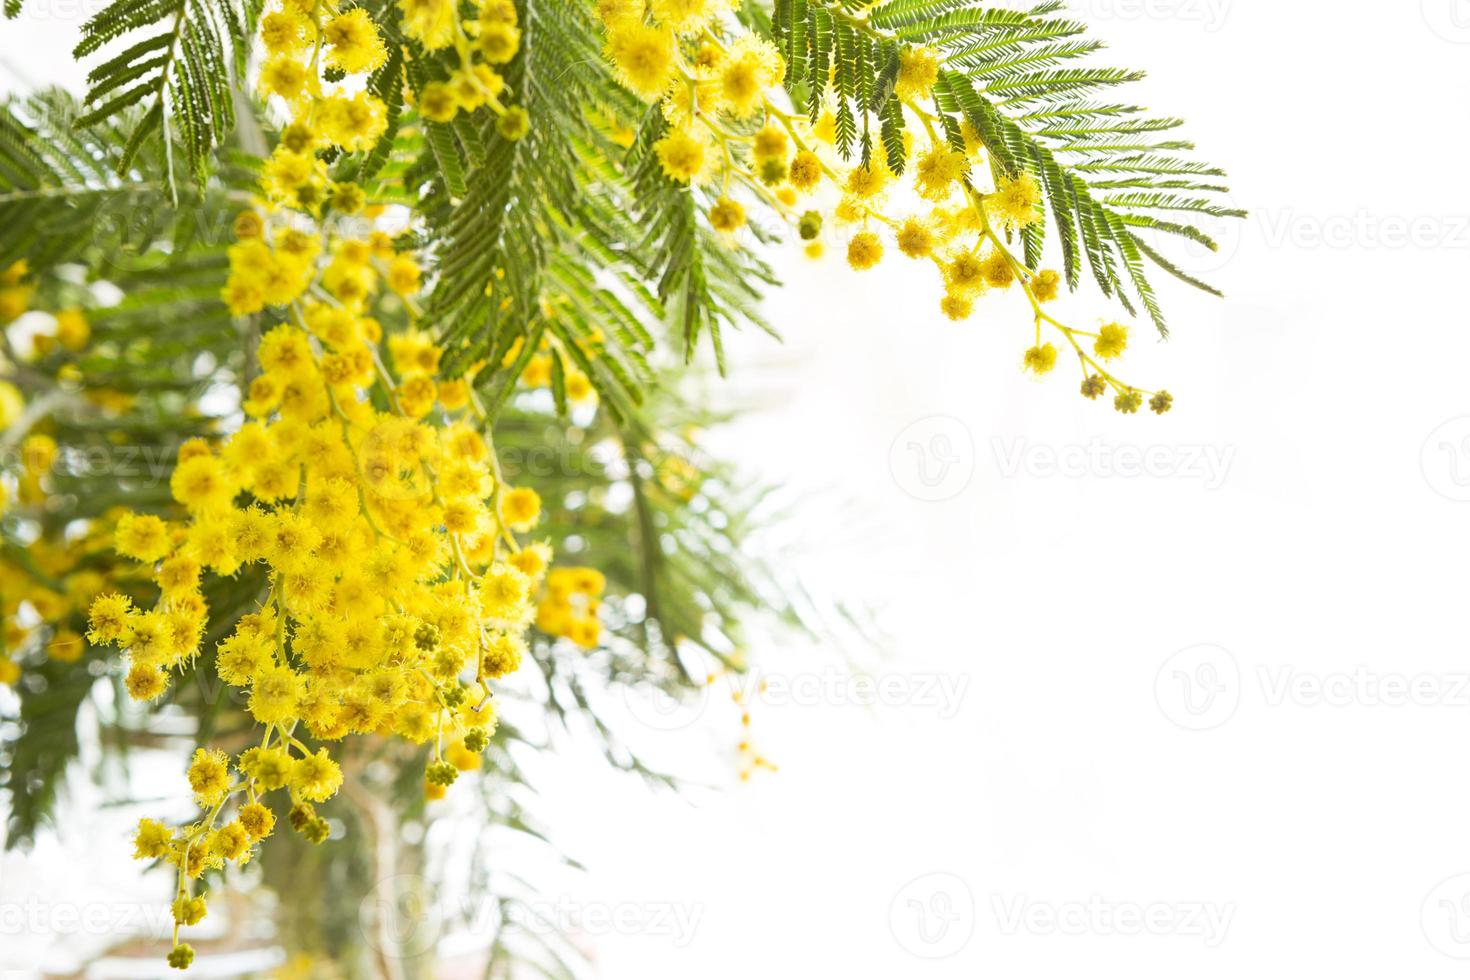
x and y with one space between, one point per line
308 42
363 488
480 44
366 493
569 605
730 125
256 496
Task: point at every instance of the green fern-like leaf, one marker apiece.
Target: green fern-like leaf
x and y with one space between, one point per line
183 74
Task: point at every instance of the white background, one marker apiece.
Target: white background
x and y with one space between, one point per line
1313 572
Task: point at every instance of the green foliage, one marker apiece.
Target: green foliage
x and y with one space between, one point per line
166 342
704 285
557 234
34 759
57 178
183 73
